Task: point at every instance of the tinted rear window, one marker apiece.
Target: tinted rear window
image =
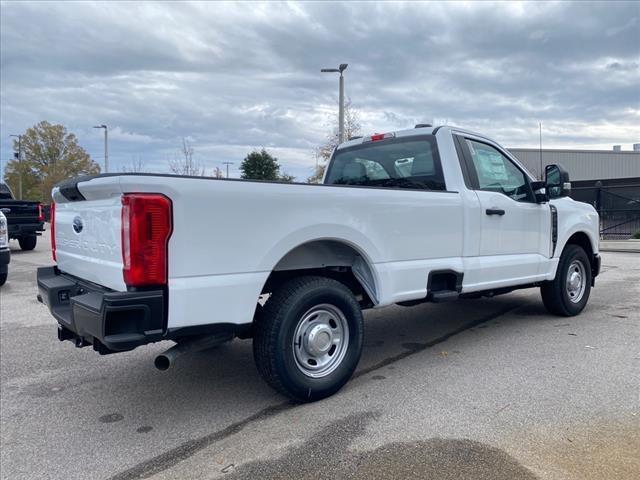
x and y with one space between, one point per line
399 163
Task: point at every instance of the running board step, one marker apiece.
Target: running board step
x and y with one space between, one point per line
444 296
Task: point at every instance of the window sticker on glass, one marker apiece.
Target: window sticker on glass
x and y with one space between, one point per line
497 173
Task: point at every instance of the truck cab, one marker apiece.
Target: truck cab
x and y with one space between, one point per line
509 222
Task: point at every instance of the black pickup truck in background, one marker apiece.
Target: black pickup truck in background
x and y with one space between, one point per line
25 218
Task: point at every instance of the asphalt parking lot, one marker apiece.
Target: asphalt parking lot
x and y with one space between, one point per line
482 389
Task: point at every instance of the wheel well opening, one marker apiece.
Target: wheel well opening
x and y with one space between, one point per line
329 258
582 240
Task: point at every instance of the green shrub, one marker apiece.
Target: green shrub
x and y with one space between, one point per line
636 235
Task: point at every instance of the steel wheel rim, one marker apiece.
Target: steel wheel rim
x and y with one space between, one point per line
321 340
576 282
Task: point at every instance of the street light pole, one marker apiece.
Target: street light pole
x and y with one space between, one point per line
341 109
19 137
106 147
340 69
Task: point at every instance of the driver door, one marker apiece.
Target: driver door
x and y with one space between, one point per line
514 236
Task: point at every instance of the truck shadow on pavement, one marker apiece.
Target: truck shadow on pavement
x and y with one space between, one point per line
226 375
390 335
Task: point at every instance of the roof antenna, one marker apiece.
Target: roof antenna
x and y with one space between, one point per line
541 176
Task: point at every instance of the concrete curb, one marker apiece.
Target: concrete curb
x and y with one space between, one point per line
626 246
619 250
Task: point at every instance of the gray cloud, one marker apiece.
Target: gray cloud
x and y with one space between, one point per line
232 77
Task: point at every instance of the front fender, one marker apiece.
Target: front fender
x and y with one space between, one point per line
576 217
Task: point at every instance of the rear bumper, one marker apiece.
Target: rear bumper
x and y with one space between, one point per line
5 258
91 315
17 230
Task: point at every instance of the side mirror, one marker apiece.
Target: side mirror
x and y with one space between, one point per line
557 181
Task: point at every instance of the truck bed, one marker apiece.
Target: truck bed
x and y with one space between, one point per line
229 235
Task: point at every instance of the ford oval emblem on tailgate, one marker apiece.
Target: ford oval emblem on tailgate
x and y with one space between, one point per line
77 225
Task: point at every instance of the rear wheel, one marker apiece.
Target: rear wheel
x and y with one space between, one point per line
567 294
3 278
308 338
28 242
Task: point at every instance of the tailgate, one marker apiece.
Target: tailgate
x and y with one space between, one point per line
19 212
87 233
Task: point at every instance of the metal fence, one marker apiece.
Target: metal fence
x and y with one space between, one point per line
618 206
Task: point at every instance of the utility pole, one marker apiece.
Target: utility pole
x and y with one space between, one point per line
106 147
340 69
19 137
227 164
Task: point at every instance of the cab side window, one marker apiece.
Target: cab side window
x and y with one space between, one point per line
497 173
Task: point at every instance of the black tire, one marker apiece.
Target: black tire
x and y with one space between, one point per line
274 350
3 278
555 294
28 242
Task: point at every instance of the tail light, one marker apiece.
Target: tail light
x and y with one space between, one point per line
379 136
53 231
146 228
40 213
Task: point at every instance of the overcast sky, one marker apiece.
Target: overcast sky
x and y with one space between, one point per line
233 77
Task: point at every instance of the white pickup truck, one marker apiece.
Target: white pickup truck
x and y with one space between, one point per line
427 214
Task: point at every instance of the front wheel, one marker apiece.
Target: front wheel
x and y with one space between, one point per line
567 294
28 242
3 278
308 338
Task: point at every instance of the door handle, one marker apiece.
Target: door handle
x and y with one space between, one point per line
495 211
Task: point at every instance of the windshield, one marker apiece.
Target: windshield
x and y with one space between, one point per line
403 163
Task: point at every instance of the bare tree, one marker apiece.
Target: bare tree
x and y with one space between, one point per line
324 151
184 164
137 165
217 173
